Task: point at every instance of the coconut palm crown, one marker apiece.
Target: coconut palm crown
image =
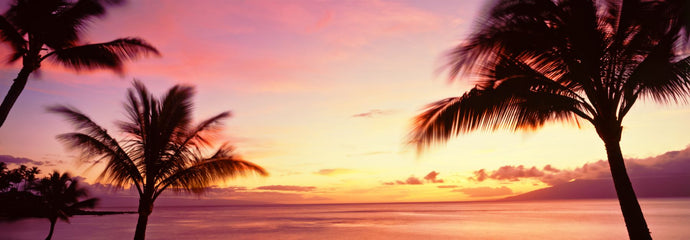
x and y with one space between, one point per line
539 61
38 30
60 198
161 149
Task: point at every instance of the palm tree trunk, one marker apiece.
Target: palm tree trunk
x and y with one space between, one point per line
52 228
632 213
145 209
12 95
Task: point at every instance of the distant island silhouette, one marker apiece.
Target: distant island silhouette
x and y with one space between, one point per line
645 187
102 213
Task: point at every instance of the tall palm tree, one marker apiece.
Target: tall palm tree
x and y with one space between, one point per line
161 150
541 61
40 30
60 196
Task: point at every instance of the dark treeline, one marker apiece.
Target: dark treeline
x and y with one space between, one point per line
56 196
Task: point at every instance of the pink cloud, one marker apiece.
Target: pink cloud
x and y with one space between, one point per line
373 113
8 159
668 164
431 177
256 45
412 181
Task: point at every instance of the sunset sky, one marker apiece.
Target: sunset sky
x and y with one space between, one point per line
322 95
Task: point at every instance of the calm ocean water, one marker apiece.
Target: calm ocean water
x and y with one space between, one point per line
576 219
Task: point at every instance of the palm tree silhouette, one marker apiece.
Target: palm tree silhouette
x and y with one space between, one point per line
162 149
541 61
59 195
40 30
18 179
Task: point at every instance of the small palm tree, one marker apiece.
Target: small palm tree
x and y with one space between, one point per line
161 150
38 30
18 179
541 61
60 196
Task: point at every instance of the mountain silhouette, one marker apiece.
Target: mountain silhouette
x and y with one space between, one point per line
645 187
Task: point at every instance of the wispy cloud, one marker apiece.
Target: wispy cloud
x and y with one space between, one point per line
373 113
485 191
368 153
334 171
288 188
19 160
237 41
113 196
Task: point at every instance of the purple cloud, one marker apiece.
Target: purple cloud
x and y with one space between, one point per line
18 160
668 164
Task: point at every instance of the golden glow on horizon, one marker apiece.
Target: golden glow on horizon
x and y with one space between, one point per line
322 96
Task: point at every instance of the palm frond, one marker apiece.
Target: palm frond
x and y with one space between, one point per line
94 141
657 77
206 171
137 108
120 169
175 113
70 21
162 149
187 145
196 135
78 119
32 16
501 34
88 203
60 196
8 33
109 55
511 96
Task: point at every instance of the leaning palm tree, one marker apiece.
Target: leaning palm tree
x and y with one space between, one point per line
59 195
539 61
161 148
38 30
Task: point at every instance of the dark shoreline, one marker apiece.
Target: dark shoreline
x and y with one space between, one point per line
101 213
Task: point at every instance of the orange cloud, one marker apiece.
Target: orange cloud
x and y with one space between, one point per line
287 188
412 180
431 177
334 171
